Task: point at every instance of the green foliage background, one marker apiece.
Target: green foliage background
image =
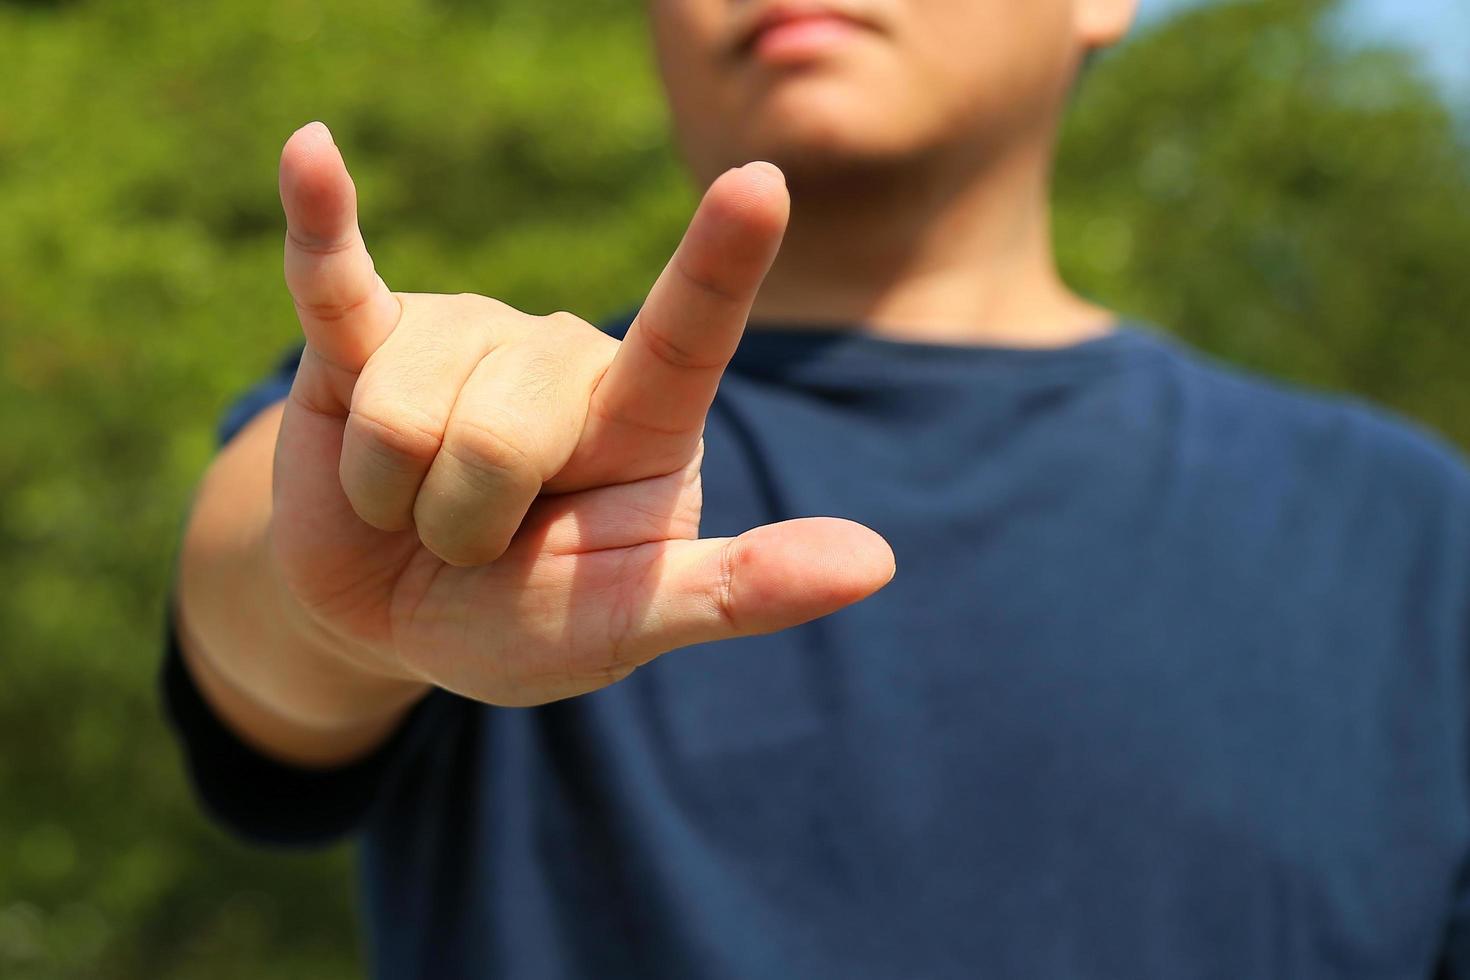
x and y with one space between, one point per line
1230 174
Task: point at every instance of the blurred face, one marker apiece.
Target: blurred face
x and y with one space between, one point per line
819 86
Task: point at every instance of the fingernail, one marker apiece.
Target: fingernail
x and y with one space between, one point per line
318 124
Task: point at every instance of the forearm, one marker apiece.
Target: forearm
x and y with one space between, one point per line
274 677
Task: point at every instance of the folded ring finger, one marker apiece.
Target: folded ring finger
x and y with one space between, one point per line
515 424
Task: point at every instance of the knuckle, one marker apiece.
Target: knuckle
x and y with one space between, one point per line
497 320
577 340
673 354
332 308
710 279
397 435
490 451
458 312
479 303
722 595
487 308
564 320
316 246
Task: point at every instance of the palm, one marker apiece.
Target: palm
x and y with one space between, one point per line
559 611
506 505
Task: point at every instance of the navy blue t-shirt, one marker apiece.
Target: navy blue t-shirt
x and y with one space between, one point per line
1171 683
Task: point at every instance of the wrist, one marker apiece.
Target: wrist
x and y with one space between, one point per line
334 680
281 681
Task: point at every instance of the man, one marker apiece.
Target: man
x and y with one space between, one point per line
1170 681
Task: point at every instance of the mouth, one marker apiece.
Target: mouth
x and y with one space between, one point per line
790 33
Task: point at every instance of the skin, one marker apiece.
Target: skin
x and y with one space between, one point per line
458 494
940 120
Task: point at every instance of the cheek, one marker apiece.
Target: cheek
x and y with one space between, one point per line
987 63
686 37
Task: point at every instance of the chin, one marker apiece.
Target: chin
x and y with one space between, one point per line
814 132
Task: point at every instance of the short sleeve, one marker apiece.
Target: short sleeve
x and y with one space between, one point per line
266 392
1455 956
254 796
265 801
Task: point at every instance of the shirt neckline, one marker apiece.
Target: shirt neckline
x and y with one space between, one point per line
773 347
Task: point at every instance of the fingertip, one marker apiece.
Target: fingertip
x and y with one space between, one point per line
766 171
873 554
863 559
768 184
452 548
475 560
756 190
316 189
306 141
798 570
739 227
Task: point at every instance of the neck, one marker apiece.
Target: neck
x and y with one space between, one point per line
928 256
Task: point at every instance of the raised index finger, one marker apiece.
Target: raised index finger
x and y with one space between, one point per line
646 414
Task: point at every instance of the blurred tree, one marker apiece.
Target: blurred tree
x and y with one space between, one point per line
140 286
1289 204
1232 174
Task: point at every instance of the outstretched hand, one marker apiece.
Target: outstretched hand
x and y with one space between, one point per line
507 505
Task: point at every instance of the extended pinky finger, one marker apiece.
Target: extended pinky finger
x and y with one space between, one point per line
346 310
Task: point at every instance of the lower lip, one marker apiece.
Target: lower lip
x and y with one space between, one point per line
801 40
